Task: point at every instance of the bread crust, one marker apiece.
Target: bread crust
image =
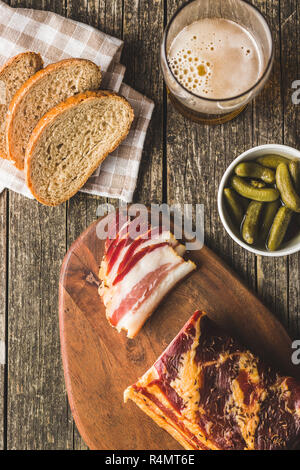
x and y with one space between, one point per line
22 92
48 119
9 63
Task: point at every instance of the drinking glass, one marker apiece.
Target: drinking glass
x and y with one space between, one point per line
210 110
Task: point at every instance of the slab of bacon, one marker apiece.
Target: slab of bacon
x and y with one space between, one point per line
136 273
211 393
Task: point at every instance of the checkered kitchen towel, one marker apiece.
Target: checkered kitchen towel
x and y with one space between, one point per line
56 38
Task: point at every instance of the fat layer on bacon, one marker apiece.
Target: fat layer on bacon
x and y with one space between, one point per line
137 274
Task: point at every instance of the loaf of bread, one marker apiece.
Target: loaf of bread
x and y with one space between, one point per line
70 142
43 91
13 74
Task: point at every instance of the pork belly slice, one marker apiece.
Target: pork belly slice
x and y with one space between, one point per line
211 393
125 248
137 273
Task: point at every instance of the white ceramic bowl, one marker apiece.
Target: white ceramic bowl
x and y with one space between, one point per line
293 245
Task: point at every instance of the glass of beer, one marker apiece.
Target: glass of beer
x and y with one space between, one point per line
216 55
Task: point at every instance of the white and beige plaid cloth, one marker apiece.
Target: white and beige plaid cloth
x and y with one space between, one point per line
56 38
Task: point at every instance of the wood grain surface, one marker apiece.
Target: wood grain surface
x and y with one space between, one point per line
99 363
182 162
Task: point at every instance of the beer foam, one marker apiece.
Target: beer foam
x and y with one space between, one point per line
215 58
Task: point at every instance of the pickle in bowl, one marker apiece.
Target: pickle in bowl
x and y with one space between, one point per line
270 185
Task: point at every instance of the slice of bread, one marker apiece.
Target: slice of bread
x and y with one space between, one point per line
39 94
71 141
13 74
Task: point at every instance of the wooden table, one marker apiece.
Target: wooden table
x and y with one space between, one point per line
182 162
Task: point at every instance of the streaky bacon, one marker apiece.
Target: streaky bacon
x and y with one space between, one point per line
152 279
135 259
136 273
123 238
132 244
113 228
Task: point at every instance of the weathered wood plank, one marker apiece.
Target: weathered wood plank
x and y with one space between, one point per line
76 220
82 209
197 156
108 16
76 9
268 124
290 63
142 32
57 6
4 203
38 415
76 209
3 307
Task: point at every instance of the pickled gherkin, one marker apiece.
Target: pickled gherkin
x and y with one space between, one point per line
272 161
245 189
279 228
234 205
287 190
251 222
294 168
270 210
254 170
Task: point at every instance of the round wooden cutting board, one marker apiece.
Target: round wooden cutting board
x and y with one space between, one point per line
100 363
